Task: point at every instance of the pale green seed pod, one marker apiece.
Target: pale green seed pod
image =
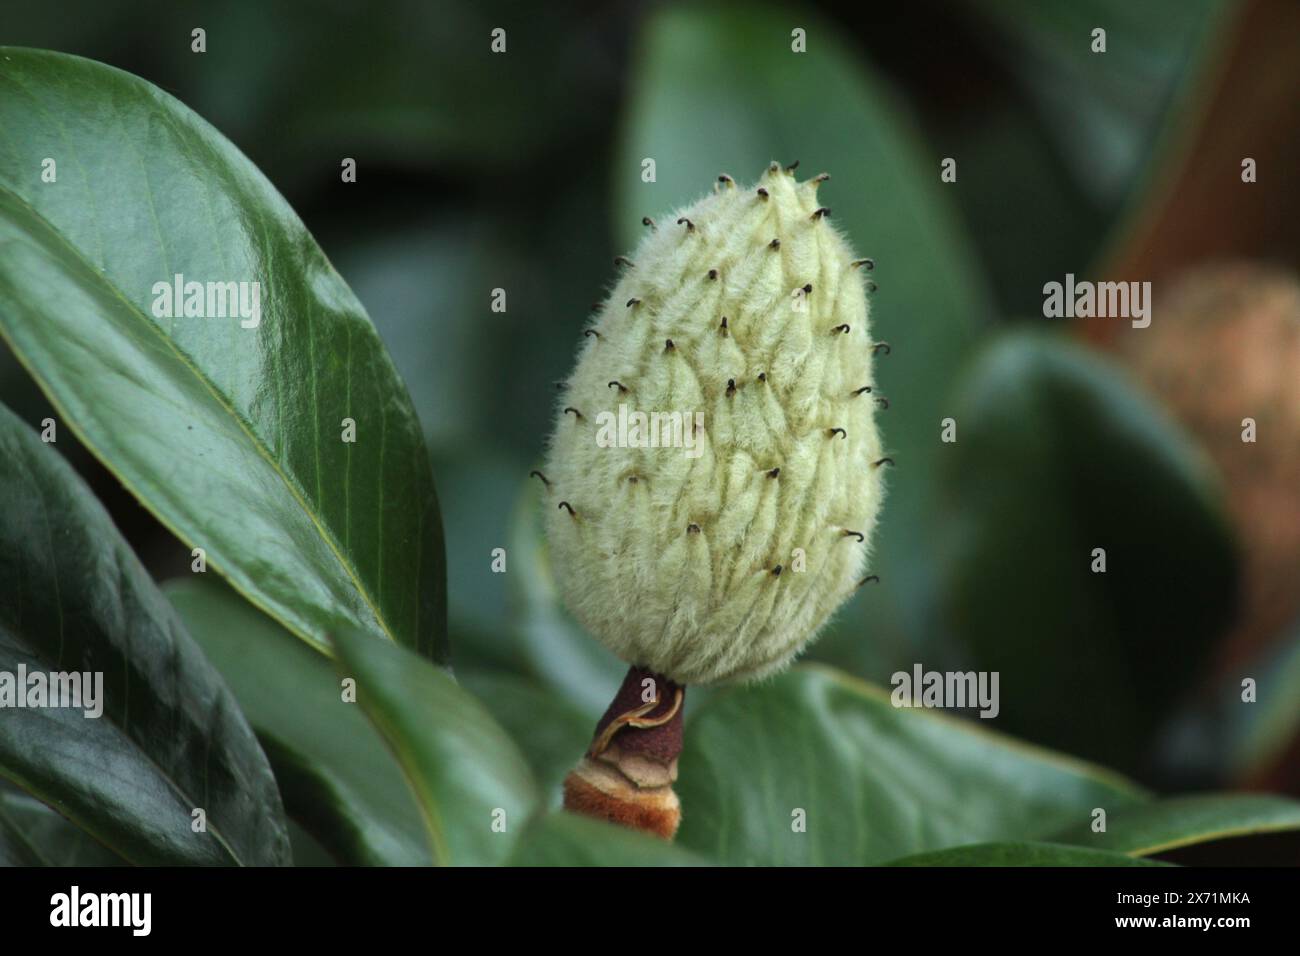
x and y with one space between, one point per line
721 559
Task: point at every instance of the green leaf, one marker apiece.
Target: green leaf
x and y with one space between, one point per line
231 436
567 839
552 733
307 850
1048 93
1145 829
1155 54
874 782
716 89
16 845
1020 854
31 834
170 738
338 779
472 784
1057 455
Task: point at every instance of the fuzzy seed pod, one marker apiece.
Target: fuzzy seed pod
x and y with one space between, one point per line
739 330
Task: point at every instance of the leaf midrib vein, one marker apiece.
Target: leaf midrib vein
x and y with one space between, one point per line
222 403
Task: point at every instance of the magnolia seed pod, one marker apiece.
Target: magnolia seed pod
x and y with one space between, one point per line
714 472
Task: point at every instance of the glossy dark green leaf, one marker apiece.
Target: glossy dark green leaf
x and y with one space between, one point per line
1114 101
170 739
1145 829
1021 854
31 834
551 732
566 839
1057 455
230 435
16 846
1043 94
472 784
716 89
874 782
337 777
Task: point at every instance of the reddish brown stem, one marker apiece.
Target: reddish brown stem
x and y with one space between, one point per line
627 773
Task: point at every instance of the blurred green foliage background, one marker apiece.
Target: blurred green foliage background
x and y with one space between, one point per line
522 171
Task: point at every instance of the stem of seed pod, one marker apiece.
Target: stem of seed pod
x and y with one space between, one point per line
627 774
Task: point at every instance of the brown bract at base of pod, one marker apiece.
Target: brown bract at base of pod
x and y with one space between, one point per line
598 790
627 773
